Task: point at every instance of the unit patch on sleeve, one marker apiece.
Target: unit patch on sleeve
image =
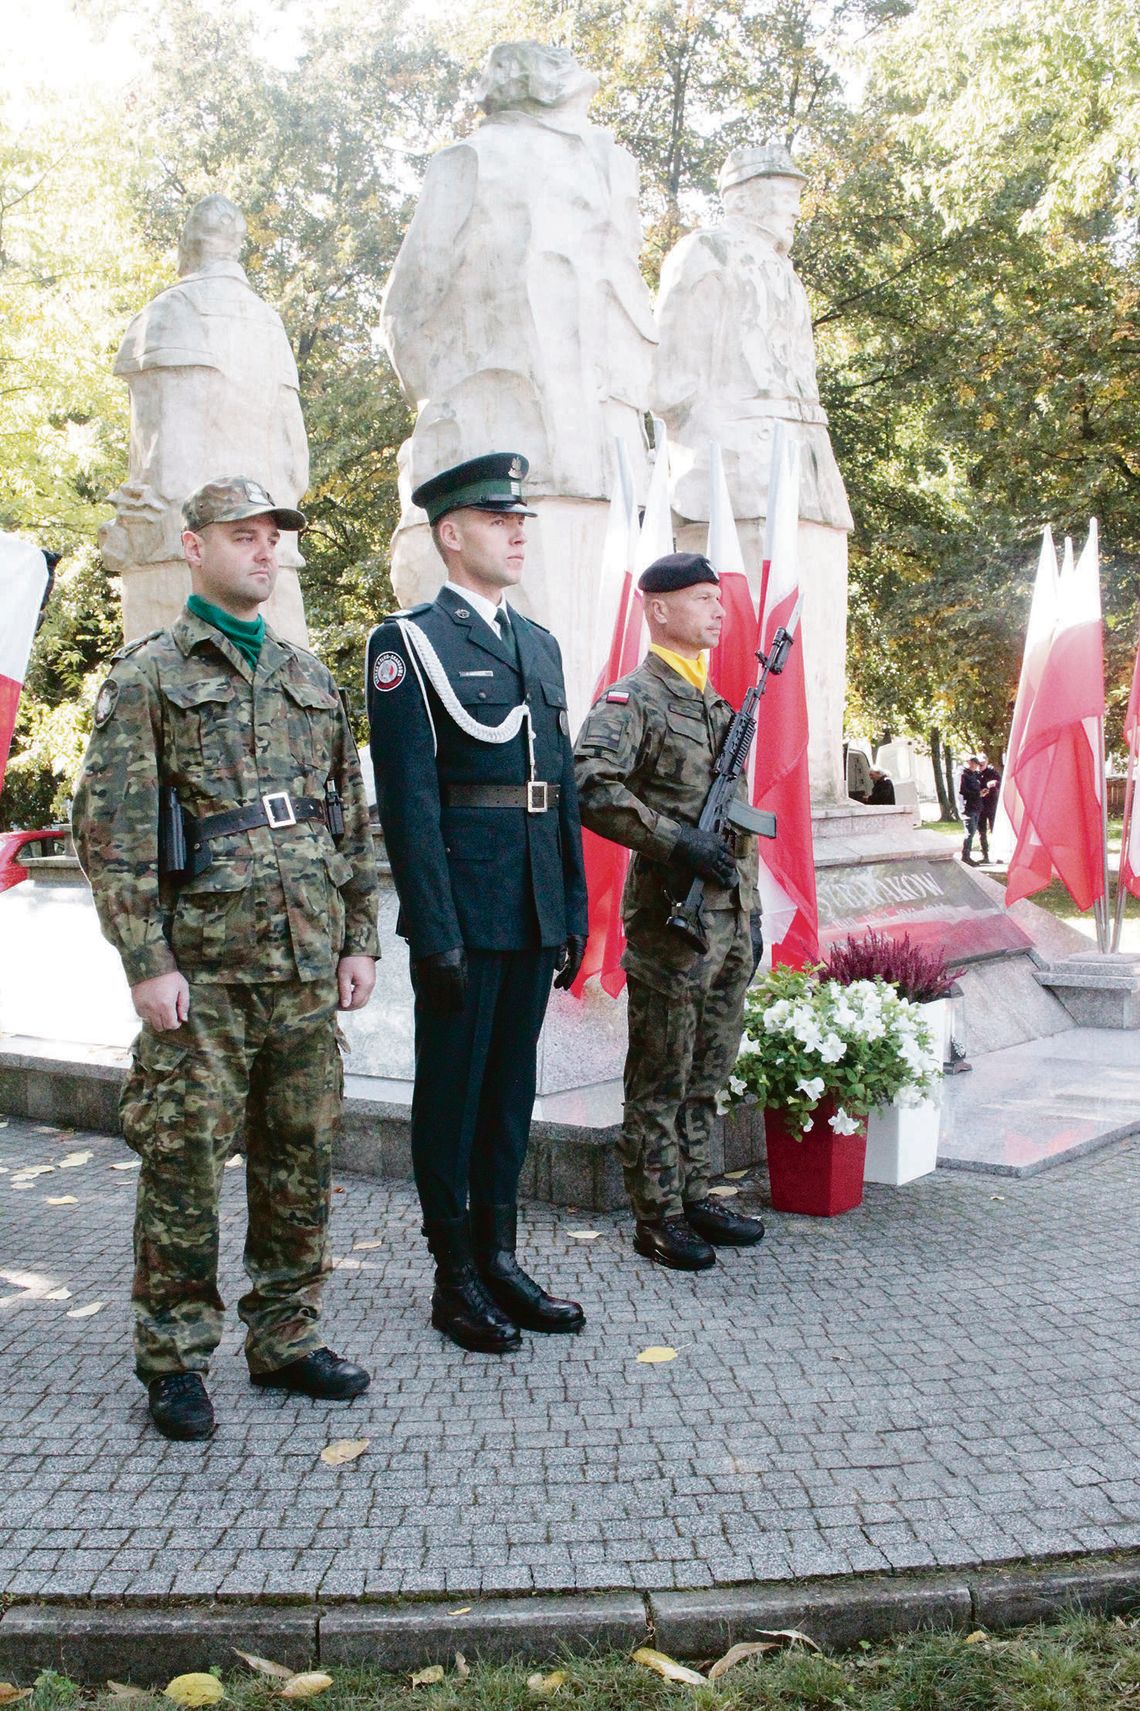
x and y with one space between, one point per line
388 671
621 696
105 701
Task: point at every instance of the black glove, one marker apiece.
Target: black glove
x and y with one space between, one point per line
569 961
441 981
756 932
706 854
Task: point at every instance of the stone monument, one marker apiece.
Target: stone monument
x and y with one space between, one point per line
214 391
736 356
517 319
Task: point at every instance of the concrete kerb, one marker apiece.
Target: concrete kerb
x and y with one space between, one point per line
150 1643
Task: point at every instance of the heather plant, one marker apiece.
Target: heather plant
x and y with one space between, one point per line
918 974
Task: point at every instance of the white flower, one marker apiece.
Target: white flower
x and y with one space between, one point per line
843 1124
831 1049
737 1087
812 1085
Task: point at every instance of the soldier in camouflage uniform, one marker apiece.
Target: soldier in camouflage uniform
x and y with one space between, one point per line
238 952
644 763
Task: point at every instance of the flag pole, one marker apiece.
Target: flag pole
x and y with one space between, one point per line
1102 931
1125 837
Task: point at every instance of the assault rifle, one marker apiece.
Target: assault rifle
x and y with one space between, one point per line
722 806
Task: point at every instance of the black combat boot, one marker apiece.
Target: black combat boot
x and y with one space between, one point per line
460 1306
673 1242
319 1373
493 1234
721 1226
180 1406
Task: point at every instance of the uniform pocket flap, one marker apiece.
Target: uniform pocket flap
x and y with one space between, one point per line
554 694
198 693
310 694
485 691
687 710
160 1053
338 867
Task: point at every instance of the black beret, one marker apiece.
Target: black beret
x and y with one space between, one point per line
675 570
490 483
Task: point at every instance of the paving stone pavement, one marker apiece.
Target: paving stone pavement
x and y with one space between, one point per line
948 1375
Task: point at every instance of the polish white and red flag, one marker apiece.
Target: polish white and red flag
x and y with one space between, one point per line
779 771
732 663
23 578
628 549
1056 769
1011 828
1130 846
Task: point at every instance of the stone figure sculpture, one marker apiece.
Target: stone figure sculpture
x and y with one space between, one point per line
214 390
516 315
736 355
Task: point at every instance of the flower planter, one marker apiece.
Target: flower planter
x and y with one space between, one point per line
820 1173
902 1140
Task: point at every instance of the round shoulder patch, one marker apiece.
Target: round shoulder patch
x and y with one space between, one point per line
105 701
388 671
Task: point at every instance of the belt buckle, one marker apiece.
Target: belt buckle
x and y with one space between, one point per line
536 794
273 819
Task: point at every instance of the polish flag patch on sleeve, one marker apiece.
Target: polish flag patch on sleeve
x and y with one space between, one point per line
621 696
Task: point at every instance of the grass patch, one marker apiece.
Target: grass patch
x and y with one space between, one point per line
1083 1664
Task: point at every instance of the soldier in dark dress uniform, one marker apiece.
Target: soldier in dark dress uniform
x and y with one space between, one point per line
475 787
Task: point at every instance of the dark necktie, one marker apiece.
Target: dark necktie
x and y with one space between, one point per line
507 634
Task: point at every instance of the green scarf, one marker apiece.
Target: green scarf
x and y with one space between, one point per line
247 634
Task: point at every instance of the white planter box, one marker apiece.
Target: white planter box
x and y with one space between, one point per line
902 1140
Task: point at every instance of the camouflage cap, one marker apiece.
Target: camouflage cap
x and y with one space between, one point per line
232 497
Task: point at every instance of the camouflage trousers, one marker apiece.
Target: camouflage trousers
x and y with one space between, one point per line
684 1033
265 1057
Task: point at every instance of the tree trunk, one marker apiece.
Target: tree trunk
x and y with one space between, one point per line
946 810
951 792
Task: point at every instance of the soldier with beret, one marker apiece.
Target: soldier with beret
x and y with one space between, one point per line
221 819
644 762
475 787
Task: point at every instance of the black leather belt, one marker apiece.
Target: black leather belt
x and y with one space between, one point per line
536 797
275 810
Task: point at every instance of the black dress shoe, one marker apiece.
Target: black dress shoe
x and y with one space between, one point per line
180 1406
721 1226
321 1374
460 1305
672 1242
494 1233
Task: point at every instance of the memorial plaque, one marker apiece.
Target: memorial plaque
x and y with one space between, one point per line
938 903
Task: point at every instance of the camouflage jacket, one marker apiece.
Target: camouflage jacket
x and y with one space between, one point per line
183 708
644 763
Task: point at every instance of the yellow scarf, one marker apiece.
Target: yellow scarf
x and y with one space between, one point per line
694 671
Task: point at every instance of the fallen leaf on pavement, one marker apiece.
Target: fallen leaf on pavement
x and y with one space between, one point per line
60 1294
85 1313
429 1676
128 1164
10 1694
265 1666
668 1667
545 1686
194 1689
305 1685
27 1172
793 1636
46 1129
70 1160
377 1244
60 1200
236 1162
464 1610
735 1175
342 1450
723 1191
654 1357
737 1654
583 1235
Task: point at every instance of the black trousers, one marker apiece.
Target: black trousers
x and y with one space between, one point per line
475 1083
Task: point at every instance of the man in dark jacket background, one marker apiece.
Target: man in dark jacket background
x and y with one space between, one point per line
475 788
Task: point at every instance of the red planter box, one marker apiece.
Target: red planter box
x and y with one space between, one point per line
820 1173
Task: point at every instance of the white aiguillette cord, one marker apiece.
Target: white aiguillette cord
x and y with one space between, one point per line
422 653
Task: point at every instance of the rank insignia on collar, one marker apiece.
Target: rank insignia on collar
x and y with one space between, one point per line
462 612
